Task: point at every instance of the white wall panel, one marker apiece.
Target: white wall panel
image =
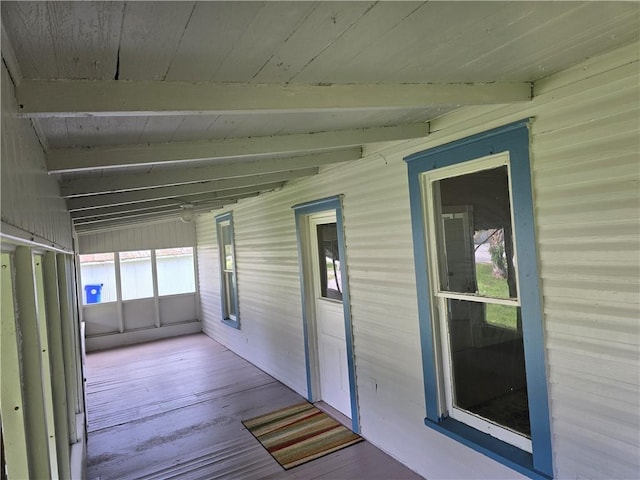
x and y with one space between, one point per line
587 209
101 318
585 174
139 314
144 237
177 308
31 199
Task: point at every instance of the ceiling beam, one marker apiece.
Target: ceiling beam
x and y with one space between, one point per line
90 158
169 202
121 210
168 212
107 225
78 98
226 187
121 183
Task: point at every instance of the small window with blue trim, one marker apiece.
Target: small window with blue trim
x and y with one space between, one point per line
479 298
228 276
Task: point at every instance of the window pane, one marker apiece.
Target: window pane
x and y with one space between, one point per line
98 277
230 294
488 371
175 271
136 279
228 274
330 279
225 234
475 234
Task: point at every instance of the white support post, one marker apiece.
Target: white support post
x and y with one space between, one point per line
156 300
11 395
32 373
119 292
45 362
68 325
56 356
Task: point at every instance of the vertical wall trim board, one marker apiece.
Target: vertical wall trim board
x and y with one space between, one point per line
426 324
303 294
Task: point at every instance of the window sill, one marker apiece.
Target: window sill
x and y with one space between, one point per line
498 450
232 323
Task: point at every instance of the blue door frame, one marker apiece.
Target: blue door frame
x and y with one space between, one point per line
302 211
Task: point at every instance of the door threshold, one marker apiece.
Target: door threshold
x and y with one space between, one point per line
332 412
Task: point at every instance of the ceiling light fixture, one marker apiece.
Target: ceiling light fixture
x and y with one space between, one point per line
188 214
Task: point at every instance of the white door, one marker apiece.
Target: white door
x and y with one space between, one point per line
329 315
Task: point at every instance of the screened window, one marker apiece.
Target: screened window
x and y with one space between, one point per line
98 277
136 274
176 273
228 279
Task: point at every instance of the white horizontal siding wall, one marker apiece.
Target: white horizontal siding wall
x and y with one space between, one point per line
585 172
31 204
143 237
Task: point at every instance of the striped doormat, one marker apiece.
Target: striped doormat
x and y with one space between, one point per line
297 434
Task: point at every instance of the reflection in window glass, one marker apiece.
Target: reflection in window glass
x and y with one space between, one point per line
136 277
330 280
175 271
98 277
488 374
476 234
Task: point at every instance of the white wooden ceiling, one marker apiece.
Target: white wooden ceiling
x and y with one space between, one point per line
144 106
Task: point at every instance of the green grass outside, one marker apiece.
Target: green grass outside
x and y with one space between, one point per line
490 286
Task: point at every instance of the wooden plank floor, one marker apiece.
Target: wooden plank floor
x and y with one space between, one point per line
172 409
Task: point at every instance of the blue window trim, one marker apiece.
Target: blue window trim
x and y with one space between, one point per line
512 138
225 315
301 211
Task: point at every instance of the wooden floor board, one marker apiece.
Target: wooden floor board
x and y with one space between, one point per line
172 409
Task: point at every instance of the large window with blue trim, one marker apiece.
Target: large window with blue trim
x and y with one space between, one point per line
228 277
479 298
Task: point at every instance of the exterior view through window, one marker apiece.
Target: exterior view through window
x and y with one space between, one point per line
174 274
329 261
477 301
98 277
136 275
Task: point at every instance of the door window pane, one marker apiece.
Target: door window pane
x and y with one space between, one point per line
98 277
136 276
175 271
329 261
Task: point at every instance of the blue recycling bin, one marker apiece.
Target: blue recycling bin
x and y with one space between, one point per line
93 293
